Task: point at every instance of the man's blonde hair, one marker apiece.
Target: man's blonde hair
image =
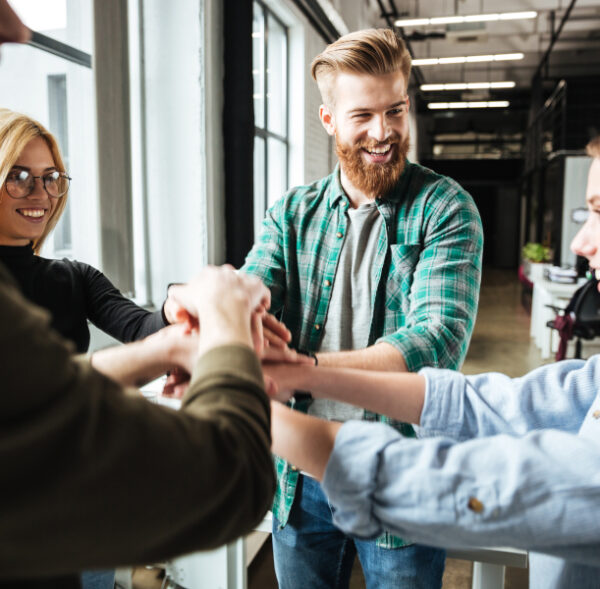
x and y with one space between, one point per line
593 147
16 131
370 51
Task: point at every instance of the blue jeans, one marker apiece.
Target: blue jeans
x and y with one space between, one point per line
98 579
311 552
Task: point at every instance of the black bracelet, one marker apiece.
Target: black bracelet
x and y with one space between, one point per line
302 396
310 355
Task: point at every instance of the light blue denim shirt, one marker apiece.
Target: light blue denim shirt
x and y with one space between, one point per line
532 483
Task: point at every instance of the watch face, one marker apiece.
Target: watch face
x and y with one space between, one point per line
580 215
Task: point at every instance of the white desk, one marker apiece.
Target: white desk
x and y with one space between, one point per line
225 568
548 293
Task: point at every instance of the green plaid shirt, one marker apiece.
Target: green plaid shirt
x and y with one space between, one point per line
427 274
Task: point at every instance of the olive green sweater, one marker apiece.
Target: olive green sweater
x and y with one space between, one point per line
95 478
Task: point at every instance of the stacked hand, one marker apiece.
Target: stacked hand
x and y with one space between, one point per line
226 307
285 378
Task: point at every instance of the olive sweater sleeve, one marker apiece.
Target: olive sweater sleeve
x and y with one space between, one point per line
95 478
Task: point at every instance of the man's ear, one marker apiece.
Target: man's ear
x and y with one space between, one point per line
327 119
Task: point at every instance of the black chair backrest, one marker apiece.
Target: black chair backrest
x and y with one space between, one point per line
586 305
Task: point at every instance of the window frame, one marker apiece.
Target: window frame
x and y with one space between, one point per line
261 202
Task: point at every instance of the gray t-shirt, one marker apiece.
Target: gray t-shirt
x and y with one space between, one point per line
349 315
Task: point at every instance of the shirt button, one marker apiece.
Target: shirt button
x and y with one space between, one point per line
327 283
295 468
317 327
475 505
596 414
339 234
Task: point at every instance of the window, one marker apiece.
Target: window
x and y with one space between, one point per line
271 131
146 225
57 90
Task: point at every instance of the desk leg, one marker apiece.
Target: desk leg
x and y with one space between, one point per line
236 565
488 576
223 568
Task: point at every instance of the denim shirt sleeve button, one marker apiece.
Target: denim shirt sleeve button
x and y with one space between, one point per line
475 505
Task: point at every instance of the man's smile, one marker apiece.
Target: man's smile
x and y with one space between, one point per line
378 155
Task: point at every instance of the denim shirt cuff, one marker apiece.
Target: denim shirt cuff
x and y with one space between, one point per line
443 409
350 478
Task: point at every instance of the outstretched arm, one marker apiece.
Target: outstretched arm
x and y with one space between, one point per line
71 438
138 363
302 440
535 492
395 394
448 403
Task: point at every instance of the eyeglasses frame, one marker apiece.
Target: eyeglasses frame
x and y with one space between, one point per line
43 179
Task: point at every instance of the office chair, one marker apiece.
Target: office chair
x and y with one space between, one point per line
580 319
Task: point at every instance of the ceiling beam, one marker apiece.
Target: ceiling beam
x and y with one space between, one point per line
553 40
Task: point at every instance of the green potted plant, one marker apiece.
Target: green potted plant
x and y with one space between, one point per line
535 258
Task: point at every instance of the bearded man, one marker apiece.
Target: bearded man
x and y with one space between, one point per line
377 266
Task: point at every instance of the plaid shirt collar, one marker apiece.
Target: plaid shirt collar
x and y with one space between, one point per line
335 192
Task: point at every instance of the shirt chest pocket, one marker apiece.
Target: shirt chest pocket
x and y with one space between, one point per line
403 261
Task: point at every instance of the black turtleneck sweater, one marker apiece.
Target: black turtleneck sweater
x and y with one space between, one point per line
74 292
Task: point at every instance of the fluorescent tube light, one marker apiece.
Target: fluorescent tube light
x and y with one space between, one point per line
412 22
446 60
518 15
443 20
446 20
496 85
508 56
482 17
427 61
467 86
467 59
479 58
471 104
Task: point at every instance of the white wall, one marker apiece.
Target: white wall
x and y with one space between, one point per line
175 149
318 161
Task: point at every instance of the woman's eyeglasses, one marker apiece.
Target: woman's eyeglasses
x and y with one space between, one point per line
21 183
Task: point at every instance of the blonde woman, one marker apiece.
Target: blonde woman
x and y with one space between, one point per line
34 187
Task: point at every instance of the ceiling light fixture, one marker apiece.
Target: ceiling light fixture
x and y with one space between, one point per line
467 59
446 20
467 86
471 104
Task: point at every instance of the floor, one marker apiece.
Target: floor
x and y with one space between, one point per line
500 343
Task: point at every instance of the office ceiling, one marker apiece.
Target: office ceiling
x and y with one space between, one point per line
575 53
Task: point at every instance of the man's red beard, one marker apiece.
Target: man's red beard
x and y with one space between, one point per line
374 180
